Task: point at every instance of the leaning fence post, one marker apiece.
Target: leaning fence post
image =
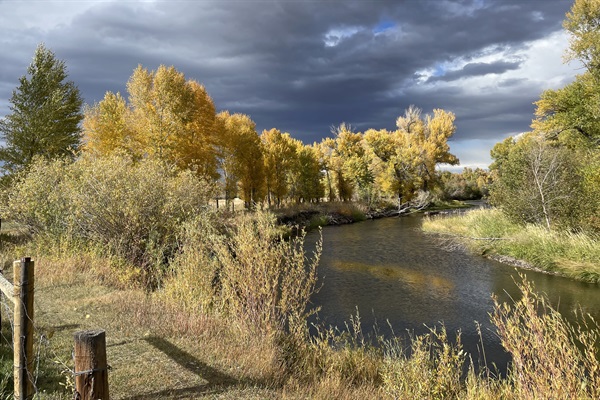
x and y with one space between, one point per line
23 334
91 370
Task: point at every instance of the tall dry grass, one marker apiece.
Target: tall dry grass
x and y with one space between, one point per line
550 357
245 269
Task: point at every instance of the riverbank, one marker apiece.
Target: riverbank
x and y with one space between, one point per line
313 215
489 233
158 350
170 344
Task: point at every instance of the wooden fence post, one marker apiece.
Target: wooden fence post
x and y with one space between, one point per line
23 334
91 370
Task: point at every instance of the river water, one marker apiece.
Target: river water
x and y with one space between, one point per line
398 276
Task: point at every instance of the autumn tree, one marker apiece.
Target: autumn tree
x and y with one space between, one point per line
351 149
409 155
306 182
279 152
45 114
226 157
571 113
329 164
167 117
242 147
107 128
196 147
347 162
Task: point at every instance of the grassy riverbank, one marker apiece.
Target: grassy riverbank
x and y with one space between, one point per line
180 341
490 233
160 350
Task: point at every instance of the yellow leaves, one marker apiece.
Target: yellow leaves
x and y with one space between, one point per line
242 155
107 128
279 156
381 142
167 117
394 163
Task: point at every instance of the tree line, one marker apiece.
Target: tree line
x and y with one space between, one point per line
168 117
549 176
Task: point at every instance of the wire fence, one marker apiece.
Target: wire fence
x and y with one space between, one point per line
17 306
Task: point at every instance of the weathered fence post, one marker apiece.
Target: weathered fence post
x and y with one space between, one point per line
91 370
23 334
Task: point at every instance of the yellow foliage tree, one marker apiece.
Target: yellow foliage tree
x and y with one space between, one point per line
279 155
195 146
306 183
107 128
408 156
242 156
167 117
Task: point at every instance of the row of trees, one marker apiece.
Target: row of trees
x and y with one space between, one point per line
551 175
172 119
272 166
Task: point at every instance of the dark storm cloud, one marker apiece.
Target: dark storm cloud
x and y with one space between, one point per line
301 66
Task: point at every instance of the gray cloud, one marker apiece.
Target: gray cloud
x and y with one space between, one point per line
301 66
477 69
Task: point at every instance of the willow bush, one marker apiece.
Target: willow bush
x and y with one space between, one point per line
129 210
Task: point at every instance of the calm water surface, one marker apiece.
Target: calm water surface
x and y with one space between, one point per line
393 272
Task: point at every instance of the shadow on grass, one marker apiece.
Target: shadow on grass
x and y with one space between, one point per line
217 381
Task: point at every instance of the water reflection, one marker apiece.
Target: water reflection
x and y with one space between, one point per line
393 272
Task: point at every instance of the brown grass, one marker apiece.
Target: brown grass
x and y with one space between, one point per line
191 340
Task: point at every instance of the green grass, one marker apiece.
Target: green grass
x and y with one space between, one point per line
489 232
440 205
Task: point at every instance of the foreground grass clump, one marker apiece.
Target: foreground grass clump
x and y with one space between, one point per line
245 270
550 357
490 232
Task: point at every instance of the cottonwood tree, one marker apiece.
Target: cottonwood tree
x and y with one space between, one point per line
329 164
347 161
241 146
571 113
279 151
306 182
108 128
167 117
407 157
45 114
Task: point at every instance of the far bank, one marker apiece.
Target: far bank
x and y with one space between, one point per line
491 234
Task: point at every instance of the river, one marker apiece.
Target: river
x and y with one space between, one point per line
394 273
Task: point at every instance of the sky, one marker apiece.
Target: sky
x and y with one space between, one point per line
304 66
